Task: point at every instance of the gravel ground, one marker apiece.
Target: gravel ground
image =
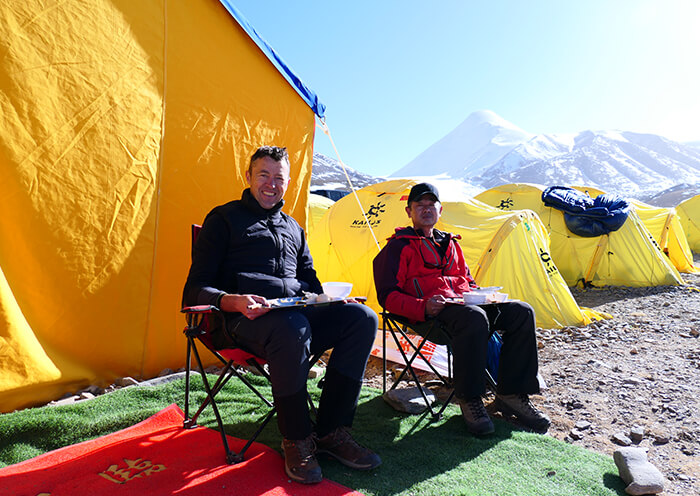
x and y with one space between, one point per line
631 379
633 376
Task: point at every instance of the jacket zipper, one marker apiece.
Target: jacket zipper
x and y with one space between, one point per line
278 248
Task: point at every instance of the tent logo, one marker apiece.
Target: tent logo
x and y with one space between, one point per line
548 263
505 204
372 215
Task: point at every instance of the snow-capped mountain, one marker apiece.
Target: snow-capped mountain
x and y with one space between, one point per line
486 150
477 143
327 173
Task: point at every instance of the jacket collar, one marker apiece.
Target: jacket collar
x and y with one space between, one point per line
411 233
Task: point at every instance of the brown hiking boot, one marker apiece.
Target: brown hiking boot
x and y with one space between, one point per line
300 461
520 406
476 417
340 445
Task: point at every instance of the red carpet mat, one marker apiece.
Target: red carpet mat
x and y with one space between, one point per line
157 457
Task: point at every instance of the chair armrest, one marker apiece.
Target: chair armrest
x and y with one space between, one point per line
199 309
408 323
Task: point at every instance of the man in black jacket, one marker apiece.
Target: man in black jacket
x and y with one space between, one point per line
247 251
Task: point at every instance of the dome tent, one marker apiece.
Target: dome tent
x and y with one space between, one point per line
501 249
317 207
123 123
627 257
665 226
689 213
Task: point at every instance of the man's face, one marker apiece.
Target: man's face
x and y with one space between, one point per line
268 180
425 212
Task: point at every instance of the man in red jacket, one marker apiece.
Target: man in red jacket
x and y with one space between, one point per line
416 272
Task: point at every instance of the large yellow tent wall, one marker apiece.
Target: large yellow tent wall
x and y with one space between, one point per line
665 226
689 214
627 257
123 122
503 249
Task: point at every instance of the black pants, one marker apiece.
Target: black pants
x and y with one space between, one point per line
287 338
466 329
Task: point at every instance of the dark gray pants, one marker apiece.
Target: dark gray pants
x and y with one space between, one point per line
466 329
287 338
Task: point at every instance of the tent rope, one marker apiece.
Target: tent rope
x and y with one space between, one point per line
327 132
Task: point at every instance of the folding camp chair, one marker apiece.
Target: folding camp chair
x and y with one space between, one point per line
200 319
405 334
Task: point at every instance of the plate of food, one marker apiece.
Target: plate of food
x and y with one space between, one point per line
310 299
479 298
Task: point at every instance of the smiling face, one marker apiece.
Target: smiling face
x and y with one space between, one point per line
424 213
268 180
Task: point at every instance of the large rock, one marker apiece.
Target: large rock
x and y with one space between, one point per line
408 400
641 476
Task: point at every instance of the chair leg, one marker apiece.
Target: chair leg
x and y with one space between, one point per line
229 370
417 352
187 423
230 455
383 355
312 408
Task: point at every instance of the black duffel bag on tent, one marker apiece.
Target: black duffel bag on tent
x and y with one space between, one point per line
585 216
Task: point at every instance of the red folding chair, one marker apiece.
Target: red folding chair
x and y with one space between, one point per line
200 319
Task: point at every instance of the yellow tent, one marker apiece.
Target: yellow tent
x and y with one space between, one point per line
502 249
123 122
689 213
627 257
318 204
665 226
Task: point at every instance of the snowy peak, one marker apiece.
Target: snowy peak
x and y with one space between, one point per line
479 141
488 118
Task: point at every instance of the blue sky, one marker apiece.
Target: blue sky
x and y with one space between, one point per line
396 76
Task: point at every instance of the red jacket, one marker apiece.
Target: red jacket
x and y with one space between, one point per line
410 270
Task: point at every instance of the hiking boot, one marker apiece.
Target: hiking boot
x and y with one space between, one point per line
300 461
340 445
476 417
520 406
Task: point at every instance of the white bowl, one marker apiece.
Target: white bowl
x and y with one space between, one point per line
473 298
337 289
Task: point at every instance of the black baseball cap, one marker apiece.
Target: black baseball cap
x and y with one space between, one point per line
421 189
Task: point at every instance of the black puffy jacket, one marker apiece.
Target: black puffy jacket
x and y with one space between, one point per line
245 249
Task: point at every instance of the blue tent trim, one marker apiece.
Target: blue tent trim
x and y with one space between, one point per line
307 94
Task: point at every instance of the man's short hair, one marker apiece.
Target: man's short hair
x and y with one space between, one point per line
421 189
276 153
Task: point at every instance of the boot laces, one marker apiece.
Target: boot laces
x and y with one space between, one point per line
476 407
527 405
306 449
342 436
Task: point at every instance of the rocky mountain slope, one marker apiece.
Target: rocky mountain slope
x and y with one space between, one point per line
328 174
